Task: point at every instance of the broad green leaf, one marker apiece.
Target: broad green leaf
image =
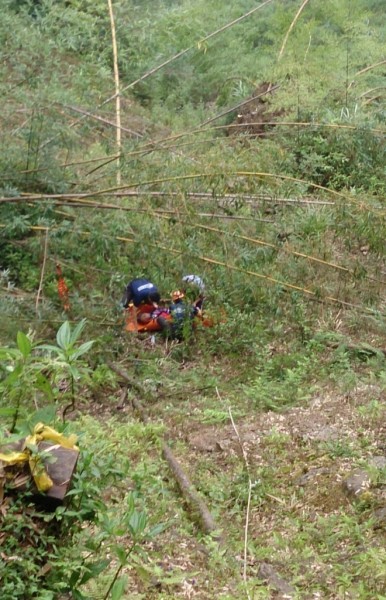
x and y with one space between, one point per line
156 530
137 523
77 595
143 573
7 412
44 386
44 415
130 503
118 588
93 570
82 350
24 344
121 554
74 578
7 353
77 331
13 377
74 372
63 337
50 348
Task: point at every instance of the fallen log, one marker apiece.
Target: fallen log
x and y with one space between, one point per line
197 506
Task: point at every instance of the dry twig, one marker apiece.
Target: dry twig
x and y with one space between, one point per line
42 271
250 486
191 496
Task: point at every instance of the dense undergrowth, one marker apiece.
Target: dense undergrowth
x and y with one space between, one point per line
278 204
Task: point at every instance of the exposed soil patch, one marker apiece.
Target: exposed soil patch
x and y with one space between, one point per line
256 117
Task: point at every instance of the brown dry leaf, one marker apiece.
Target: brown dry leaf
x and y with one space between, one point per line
2 482
44 570
4 506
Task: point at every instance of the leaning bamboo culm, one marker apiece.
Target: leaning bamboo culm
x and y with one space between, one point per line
117 92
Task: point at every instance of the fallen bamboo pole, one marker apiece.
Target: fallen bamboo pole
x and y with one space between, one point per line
251 199
309 293
198 507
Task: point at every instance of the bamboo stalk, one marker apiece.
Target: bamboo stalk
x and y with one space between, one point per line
370 67
167 213
198 45
247 198
305 2
256 174
278 248
117 92
212 261
366 69
154 146
167 62
375 89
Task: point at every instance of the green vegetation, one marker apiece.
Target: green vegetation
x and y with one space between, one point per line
252 152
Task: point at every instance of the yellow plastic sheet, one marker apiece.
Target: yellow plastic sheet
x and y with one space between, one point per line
40 433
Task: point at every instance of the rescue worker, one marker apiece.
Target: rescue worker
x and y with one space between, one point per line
141 291
181 324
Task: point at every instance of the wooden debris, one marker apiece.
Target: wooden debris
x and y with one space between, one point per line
198 507
60 467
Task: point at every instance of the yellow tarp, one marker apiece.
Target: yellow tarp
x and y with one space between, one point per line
40 433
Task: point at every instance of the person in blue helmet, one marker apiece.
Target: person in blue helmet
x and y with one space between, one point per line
141 291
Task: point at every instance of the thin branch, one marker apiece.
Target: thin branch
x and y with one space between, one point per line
370 67
250 486
156 145
42 272
167 214
305 2
244 103
189 492
366 69
247 198
117 125
380 87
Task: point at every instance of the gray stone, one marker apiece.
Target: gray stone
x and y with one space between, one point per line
357 483
324 433
311 475
268 574
380 517
379 462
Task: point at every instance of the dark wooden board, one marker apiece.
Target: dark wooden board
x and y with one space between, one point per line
60 468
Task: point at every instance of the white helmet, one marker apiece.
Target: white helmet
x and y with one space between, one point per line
194 280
